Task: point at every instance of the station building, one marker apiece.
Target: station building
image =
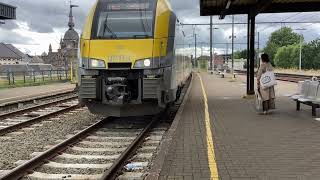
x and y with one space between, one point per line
9 55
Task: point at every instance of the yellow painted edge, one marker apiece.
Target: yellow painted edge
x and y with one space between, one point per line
210 146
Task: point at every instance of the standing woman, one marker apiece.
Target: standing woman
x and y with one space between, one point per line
267 95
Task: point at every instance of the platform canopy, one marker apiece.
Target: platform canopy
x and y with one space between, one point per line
252 8
7 11
228 7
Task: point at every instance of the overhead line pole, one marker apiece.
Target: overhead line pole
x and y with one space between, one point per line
258 53
232 47
195 45
211 56
300 54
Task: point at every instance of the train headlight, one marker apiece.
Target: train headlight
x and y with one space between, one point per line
144 63
95 63
147 62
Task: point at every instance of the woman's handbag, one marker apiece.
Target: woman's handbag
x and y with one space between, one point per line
258 101
268 79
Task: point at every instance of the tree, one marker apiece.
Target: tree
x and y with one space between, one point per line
287 56
241 54
311 55
282 37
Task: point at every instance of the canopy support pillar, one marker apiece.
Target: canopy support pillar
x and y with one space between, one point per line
251 53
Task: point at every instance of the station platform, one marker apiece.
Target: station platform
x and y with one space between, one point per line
221 136
12 95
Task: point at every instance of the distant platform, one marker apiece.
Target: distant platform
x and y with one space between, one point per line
220 136
12 95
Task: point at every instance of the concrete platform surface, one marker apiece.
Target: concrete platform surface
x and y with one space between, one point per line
22 93
220 136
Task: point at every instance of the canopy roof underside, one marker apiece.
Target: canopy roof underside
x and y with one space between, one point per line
227 7
7 11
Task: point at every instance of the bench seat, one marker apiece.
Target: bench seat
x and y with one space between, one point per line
309 95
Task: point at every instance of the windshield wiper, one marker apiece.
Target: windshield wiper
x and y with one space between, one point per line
106 27
141 36
142 19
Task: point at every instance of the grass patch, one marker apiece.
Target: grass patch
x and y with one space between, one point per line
4 83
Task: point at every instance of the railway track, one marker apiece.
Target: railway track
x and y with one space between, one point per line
22 118
30 102
285 76
108 149
111 148
292 77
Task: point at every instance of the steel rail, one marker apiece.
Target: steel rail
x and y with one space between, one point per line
35 120
21 111
37 161
112 171
39 98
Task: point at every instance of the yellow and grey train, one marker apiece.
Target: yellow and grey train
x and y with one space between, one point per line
132 58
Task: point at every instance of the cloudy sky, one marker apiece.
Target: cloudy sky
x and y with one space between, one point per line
41 22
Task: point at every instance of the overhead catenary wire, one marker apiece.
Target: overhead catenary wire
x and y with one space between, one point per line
293 20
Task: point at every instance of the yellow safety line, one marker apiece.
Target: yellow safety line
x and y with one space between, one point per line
210 146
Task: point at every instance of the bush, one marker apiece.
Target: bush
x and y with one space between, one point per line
287 56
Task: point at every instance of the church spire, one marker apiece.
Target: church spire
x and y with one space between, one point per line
61 43
71 21
50 48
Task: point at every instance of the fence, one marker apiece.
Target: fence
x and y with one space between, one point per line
12 79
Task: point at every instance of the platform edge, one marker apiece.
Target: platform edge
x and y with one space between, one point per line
156 168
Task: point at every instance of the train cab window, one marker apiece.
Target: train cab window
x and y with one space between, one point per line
124 19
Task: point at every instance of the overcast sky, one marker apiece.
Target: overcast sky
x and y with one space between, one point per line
41 22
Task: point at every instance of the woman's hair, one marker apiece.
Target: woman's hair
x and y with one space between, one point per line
265 58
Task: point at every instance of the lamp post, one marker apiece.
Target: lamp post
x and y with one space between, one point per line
211 67
232 39
73 62
195 45
69 56
232 53
300 55
211 44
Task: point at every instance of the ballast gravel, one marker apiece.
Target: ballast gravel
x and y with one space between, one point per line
19 146
86 171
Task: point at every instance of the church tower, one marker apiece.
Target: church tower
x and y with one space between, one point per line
71 37
69 44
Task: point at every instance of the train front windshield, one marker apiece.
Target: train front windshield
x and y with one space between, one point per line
124 19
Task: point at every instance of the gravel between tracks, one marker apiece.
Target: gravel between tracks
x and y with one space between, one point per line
21 146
